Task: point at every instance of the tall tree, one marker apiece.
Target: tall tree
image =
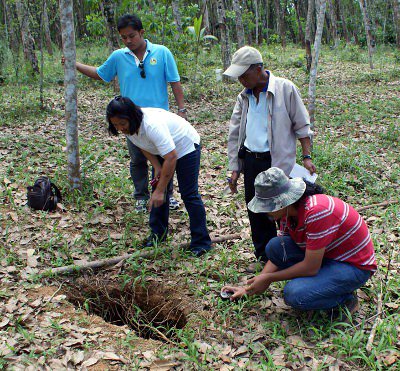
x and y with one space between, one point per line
257 20
314 66
71 109
12 38
41 37
177 17
280 22
79 10
224 34
396 20
266 19
368 33
108 10
333 23
28 42
206 18
343 21
299 26
238 23
46 28
310 11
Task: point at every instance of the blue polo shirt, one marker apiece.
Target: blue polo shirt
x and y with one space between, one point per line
160 69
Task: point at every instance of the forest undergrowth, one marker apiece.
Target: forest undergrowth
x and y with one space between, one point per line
164 310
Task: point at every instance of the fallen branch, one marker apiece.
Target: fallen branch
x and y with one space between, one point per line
375 325
112 261
380 204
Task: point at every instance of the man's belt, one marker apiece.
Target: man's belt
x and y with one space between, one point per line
259 155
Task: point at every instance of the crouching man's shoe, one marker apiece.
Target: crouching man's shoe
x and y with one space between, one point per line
151 241
344 312
200 252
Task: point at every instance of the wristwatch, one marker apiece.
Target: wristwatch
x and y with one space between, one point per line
182 110
305 157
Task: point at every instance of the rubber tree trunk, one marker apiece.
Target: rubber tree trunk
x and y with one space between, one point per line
12 38
206 18
46 29
28 42
248 32
264 20
257 20
267 16
299 26
177 17
396 20
343 20
280 22
41 38
224 35
310 11
367 27
314 66
333 23
71 111
108 10
79 7
239 23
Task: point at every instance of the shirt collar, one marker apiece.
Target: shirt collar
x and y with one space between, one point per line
149 47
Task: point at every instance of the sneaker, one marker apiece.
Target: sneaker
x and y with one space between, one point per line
141 206
173 204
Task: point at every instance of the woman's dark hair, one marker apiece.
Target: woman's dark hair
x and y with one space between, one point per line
130 20
124 108
311 190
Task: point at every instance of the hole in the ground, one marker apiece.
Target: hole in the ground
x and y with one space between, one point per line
152 311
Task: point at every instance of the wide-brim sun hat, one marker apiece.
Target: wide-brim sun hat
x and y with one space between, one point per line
242 60
274 191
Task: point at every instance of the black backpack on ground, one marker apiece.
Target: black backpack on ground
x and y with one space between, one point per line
44 195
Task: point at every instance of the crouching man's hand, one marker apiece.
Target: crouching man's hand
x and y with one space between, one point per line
238 291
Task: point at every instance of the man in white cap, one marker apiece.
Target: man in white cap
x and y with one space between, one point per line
268 117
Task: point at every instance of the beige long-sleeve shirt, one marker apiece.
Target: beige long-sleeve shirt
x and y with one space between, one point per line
288 120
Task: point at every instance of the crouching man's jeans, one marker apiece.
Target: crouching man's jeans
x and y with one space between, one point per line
331 286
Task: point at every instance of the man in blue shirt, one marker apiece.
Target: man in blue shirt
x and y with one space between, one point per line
144 71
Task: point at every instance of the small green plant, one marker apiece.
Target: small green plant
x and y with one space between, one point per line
198 38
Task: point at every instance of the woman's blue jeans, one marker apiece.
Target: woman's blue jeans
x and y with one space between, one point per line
330 287
187 172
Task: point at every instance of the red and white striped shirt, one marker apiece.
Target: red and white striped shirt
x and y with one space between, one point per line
330 223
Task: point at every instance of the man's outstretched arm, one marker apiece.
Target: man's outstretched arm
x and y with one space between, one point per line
89 71
85 69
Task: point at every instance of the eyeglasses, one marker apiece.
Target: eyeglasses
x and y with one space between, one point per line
142 71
